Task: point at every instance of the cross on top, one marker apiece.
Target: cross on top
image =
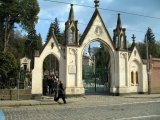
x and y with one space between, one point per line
96 3
133 38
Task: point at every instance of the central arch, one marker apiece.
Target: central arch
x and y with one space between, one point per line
108 84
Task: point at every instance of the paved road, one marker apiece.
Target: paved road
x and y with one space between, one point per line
90 108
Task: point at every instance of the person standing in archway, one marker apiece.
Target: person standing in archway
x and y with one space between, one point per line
55 88
50 85
61 93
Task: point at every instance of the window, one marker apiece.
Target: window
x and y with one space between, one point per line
25 67
136 77
117 42
71 37
132 78
122 41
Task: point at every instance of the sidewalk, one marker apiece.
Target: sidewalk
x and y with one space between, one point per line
43 101
143 96
50 101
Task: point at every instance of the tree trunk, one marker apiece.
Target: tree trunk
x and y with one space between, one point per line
7 34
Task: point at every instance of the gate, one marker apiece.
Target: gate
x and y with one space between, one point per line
95 80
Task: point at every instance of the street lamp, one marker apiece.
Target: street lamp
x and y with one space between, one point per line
148 67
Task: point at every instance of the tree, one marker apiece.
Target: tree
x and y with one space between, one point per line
54 27
39 42
33 43
152 45
22 12
59 36
17 44
142 49
150 36
8 64
51 29
102 57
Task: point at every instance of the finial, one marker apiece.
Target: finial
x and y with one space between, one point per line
133 38
96 3
71 14
119 24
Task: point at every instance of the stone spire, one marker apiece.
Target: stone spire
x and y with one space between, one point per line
71 14
71 30
119 38
119 24
96 3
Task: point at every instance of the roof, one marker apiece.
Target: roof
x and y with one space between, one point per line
54 38
95 14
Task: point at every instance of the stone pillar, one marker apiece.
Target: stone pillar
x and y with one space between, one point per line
37 77
122 72
73 81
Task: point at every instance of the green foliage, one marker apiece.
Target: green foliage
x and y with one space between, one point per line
54 27
153 45
17 44
142 49
51 64
51 29
22 12
150 36
32 44
102 57
8 64
39 42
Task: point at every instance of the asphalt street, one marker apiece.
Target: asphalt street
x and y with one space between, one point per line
89 108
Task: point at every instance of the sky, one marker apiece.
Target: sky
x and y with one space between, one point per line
134 24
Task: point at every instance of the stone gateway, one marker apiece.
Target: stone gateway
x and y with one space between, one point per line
127 72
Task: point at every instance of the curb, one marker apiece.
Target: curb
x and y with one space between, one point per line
32 103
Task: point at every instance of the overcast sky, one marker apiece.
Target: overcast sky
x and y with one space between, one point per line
132 23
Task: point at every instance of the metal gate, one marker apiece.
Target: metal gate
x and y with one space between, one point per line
95 80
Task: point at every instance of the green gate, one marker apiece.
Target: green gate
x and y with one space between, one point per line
95 80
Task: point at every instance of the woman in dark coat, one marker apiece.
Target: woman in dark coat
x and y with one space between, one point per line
61 93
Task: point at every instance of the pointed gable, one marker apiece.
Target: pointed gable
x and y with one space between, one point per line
135 55
95 16
52 40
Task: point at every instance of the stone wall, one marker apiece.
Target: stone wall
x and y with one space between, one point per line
155 75
12 94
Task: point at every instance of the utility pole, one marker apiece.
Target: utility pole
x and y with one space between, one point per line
148 67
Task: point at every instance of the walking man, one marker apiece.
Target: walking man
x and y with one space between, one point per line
61 93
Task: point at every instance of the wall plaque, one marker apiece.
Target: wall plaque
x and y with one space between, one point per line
72 69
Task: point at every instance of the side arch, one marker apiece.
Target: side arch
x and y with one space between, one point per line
37 72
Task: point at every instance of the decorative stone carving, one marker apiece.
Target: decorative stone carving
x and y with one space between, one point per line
123 55
73 51
52 45
135 53
25 60
98 30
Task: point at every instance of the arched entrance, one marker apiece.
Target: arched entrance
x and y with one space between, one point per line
97 70
50 72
